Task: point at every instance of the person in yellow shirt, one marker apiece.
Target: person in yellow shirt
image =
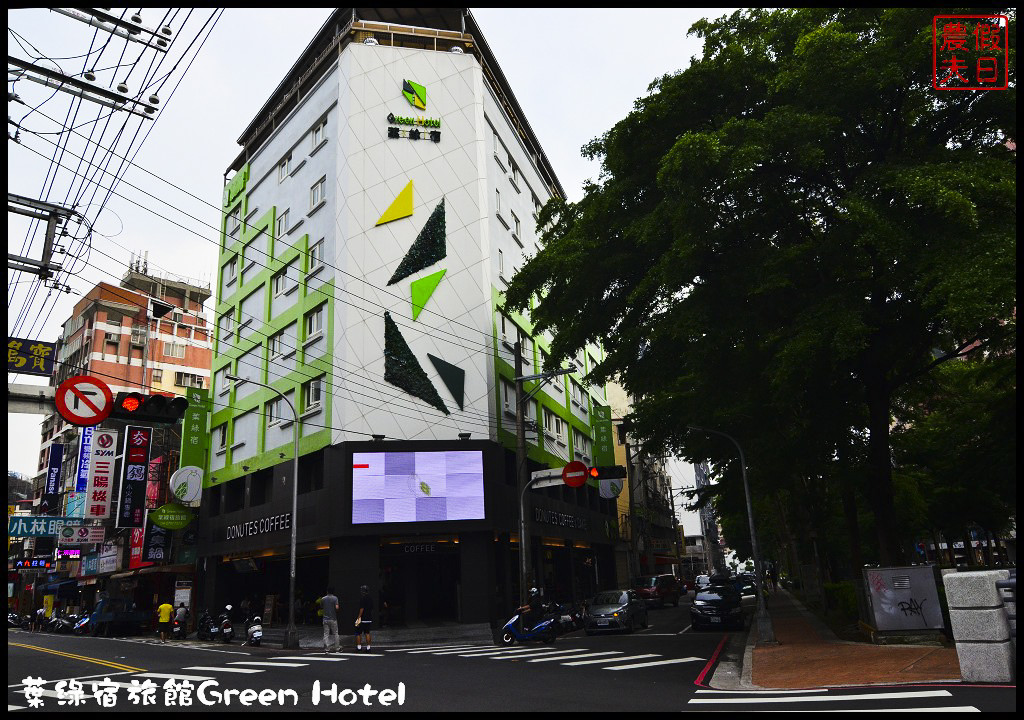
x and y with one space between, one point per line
164 620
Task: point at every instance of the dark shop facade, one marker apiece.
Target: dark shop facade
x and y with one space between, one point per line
431 527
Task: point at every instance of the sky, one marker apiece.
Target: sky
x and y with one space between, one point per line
574 72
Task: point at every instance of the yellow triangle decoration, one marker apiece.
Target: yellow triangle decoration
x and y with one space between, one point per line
401 206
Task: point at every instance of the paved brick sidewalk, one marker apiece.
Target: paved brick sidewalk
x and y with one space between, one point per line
809 655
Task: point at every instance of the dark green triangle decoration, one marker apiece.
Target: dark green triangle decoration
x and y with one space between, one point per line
403 370
428 248
454 378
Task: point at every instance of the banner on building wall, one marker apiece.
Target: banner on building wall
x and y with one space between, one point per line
109 558
50 501
138 537
131 509
157 545
154 485
84 453
100 488
187 482
604 443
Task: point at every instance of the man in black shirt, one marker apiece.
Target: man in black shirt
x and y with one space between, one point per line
530 614
364 623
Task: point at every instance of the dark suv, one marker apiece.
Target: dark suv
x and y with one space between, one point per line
658 589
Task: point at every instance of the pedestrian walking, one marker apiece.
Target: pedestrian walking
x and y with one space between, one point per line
329 607
163 619
774 575
364 622
40 616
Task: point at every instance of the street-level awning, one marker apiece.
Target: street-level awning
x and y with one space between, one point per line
154 569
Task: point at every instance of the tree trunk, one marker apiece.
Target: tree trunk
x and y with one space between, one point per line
852 525
879 491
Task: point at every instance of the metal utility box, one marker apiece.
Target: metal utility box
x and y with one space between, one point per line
904 598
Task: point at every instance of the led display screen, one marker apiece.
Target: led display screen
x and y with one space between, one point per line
390 487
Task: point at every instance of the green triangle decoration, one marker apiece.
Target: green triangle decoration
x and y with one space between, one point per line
422 289
400 207
403 370
454 378
415 93
428 248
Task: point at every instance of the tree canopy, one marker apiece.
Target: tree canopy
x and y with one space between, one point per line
785 237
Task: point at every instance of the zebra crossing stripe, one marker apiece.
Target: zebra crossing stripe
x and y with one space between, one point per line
11 708
359 654
671 661
618 659
267 664
576 657
449 647
311 657
174 676
825 698
487 653
223 669
538 654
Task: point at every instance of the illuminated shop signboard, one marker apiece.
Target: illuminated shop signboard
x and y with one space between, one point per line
389 487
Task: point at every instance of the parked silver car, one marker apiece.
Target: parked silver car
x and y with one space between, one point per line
615 610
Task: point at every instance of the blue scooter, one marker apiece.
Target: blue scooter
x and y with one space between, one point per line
544 631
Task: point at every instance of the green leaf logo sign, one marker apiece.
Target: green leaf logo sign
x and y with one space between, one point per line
425 488
415 93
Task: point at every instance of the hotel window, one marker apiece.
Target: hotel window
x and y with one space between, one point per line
319 134
276 345
282 224
516 230
501 264
284 168
158 375
536 207
497 201
312 392
316 255
577 394
553 425
231 271
220 437
234 220
281 283
226 329
318 193
508 396
315 323
515 175
274 410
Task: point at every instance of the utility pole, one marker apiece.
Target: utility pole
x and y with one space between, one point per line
521 476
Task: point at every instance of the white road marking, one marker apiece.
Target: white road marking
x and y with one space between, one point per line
428 648
222 669
358 654
11 708
618 659
828 698
576 657
965 708
267 664
174 676
79 677
310 657
538 654
450 647
671 661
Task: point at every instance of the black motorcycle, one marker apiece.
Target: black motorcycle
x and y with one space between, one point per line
178 630
565 618
62 624
16 620
207 629
227 633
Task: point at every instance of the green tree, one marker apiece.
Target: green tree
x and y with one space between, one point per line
785 237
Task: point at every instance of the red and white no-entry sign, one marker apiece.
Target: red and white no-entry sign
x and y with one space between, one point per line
84 400
574 474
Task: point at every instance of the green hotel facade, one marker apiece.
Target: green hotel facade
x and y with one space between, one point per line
383 195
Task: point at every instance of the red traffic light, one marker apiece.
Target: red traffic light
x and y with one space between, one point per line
131 402
594 472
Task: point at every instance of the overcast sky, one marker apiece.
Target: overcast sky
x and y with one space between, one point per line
574 72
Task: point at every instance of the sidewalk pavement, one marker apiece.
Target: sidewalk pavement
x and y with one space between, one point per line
311 637
810 655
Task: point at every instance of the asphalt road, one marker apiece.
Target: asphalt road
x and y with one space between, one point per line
666 667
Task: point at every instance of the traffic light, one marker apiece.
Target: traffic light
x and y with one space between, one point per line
136 407
608 472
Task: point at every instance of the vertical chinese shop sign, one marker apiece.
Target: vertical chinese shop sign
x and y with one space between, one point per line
101 474
195 438
131 509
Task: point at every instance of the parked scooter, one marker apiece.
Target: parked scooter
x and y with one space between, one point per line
254 631
16 620
62 624
544 631
564 618
178 630
207 628
227 633
82 625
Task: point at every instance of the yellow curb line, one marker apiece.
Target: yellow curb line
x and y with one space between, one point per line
107 663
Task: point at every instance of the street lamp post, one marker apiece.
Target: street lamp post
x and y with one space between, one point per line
522 478
291 635
765 631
